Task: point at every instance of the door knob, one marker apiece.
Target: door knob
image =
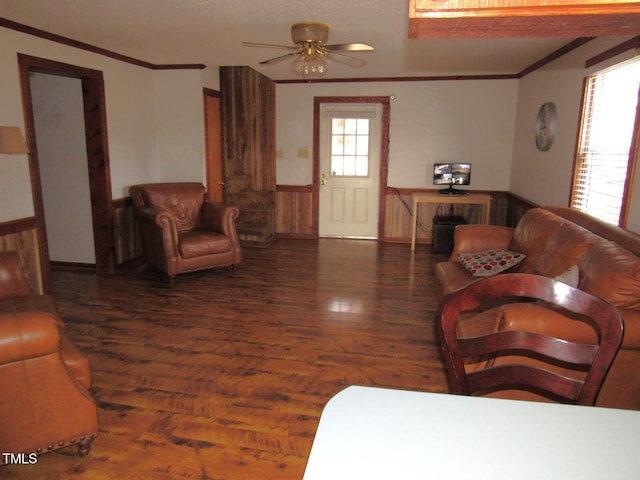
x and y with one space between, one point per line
323 179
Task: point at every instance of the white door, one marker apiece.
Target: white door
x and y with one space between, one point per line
349 170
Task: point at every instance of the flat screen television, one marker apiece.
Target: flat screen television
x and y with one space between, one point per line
452 174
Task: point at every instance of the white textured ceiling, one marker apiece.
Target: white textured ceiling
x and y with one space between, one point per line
210 32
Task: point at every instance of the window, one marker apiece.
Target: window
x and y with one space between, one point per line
350 147
604 155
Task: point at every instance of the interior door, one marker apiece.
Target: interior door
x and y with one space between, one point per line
213 136
349 170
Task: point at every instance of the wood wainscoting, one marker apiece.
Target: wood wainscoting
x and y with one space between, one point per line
294 219
127 238
294 212
398 213
22 236
294 216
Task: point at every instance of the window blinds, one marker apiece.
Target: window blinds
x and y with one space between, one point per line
608 120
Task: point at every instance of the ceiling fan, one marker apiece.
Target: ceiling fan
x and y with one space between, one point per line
312 52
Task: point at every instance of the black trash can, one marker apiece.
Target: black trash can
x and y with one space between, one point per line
443 228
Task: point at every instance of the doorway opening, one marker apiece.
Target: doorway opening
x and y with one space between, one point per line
99 178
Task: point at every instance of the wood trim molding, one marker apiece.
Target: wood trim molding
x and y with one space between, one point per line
578 42
36 32
294 188
19 225
435 78
630 44
123 202
210 92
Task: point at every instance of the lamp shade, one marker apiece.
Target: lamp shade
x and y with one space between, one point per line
12 141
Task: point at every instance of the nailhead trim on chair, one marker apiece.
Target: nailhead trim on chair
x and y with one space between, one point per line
61 443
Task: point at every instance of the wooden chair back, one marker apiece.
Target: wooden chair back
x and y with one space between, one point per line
590 361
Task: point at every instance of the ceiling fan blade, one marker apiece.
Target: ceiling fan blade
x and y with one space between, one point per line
351 47
277 59
269 45
347 60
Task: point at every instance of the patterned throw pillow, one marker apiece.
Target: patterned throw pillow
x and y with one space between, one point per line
490 262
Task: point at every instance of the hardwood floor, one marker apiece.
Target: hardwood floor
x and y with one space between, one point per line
224 374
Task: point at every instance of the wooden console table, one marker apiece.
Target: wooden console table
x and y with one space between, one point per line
435 198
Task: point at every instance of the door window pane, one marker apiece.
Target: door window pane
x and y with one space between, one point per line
350 147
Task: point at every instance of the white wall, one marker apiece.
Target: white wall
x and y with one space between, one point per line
431 121
545 177
15 192
179 125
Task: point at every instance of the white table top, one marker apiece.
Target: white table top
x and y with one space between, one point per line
374 433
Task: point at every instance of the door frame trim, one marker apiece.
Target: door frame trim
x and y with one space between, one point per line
384 156
95 120
208 92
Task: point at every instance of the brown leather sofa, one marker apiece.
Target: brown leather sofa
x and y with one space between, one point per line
554 239
181 232
44 379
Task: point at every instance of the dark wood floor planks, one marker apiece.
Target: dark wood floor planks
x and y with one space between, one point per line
224 374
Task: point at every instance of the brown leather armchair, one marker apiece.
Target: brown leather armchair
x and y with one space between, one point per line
44 379
181 232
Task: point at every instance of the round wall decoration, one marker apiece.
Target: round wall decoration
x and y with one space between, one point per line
546 125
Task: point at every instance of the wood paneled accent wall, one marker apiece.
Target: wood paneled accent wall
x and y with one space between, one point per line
248 106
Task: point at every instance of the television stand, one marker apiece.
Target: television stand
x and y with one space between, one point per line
452 191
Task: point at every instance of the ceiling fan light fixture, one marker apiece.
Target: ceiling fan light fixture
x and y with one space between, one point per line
310 66
312 53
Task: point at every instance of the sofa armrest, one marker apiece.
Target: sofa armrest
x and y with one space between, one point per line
220 218
476 238
12 280
28 335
